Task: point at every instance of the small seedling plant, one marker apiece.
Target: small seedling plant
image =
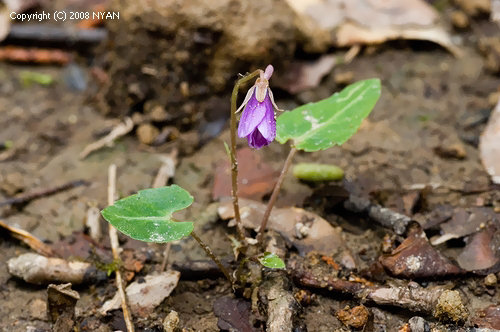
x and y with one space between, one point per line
147 215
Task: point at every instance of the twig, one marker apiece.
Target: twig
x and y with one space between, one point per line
352 53
276 296
115 246
43 33
166 171
384 216
120 130
213 257
42 193
234 162
33 242
38 269
412 296
275 193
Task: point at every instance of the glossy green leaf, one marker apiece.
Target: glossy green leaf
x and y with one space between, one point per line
331 121
272 261
317 172
147 215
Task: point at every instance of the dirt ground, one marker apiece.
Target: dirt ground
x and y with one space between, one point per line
431 102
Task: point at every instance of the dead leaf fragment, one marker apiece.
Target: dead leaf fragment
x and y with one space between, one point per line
488 318
61 306
321 237
489 145
33 242
464 222
478 254
146 295
255 178
416 258
233 314
345 23
304 75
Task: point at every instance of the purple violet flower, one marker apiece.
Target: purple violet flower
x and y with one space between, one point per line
257 123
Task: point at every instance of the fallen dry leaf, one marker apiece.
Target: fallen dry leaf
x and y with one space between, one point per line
344 23
303 75
489 145
61 306
488 318
416 258
316 233
143 296
255 178
233 314
464 222
33 242
478 254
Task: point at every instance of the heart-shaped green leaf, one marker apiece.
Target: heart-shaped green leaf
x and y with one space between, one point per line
147 215
332 121
271 261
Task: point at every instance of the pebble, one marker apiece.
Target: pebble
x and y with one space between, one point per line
459 20
38 309
418 324
147 133
344 78
490 280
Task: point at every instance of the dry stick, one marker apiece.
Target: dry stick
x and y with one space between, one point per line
275 193
166 171
120 130
42 193
234 163
213 257
113 237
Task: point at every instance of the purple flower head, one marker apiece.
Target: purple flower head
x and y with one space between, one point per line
257 123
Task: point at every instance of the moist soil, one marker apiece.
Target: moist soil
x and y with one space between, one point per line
430 102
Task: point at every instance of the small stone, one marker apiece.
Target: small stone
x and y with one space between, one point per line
12 183
450 307
490 280
158 114
455 151
418 324
459 20
38 309
147 133
344 78
171 322
355 317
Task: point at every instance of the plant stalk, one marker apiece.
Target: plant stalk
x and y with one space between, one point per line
234 162
275 193
213 257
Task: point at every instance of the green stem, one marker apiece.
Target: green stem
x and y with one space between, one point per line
275 193
213 257
234 162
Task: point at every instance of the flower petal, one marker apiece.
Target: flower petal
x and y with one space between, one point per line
256 140
267 126
252 115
